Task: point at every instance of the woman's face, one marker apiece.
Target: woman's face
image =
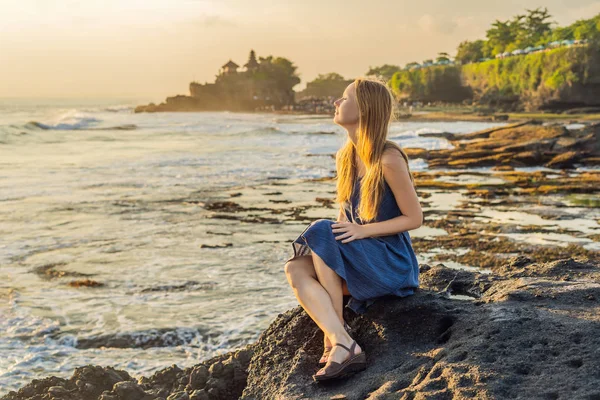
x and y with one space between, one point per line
346 108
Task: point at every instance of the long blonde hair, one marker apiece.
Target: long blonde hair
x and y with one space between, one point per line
376 111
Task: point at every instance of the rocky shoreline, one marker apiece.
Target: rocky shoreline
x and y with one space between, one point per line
521 322
527 331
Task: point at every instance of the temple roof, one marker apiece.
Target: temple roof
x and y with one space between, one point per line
230 64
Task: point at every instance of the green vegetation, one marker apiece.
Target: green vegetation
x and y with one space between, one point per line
266 82
526 31
537 80
542 73
437 83
325 85
590 201
386 71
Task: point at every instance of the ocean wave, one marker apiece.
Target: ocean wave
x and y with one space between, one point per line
163 337
75 120
82 125
75 124
119 108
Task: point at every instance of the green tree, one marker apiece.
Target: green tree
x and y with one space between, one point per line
537 25
442 57
385 71
331 76
500 36
469 52
325 85
276 78
587 29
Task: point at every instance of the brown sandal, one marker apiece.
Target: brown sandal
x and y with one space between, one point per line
328 349
354 363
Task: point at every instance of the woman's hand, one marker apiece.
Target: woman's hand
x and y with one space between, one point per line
350 231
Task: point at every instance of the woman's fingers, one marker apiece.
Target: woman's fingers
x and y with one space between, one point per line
343 236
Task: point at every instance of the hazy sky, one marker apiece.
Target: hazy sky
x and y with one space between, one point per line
150 49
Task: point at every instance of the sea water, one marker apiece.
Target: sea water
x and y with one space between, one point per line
91 190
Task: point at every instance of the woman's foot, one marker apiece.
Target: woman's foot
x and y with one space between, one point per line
326 350
339 354
355 361
327 346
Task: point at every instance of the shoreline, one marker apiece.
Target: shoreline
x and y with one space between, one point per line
444 116
510 279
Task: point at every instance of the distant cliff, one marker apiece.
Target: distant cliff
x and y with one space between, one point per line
561 78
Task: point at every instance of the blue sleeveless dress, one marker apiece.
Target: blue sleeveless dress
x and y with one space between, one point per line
373 266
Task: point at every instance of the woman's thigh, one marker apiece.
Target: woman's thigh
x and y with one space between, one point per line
302 267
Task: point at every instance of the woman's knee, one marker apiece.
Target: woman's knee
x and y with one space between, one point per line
299 270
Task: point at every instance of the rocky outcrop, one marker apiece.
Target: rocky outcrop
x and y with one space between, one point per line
525 334
221 377
519 145
530 330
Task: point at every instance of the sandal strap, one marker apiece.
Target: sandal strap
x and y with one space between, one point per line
350 350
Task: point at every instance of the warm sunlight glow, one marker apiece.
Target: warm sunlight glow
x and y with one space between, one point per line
154 48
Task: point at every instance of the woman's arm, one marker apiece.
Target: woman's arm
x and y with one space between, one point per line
395 172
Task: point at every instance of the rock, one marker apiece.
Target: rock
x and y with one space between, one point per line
199 395
219 384
424 268
216 369
179 396
198 377
428 345
519 261
503 168
445 135
517 145
129 390
243 356
57 391
530 330
85 282
565 160
108 396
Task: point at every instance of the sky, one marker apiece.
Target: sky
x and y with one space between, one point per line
151 49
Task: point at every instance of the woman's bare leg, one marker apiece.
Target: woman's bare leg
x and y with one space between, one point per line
312 296
345 292
332 283
316 301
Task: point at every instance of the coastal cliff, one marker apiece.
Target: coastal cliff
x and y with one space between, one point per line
554 79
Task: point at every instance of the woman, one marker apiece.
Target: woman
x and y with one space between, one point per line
367 253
